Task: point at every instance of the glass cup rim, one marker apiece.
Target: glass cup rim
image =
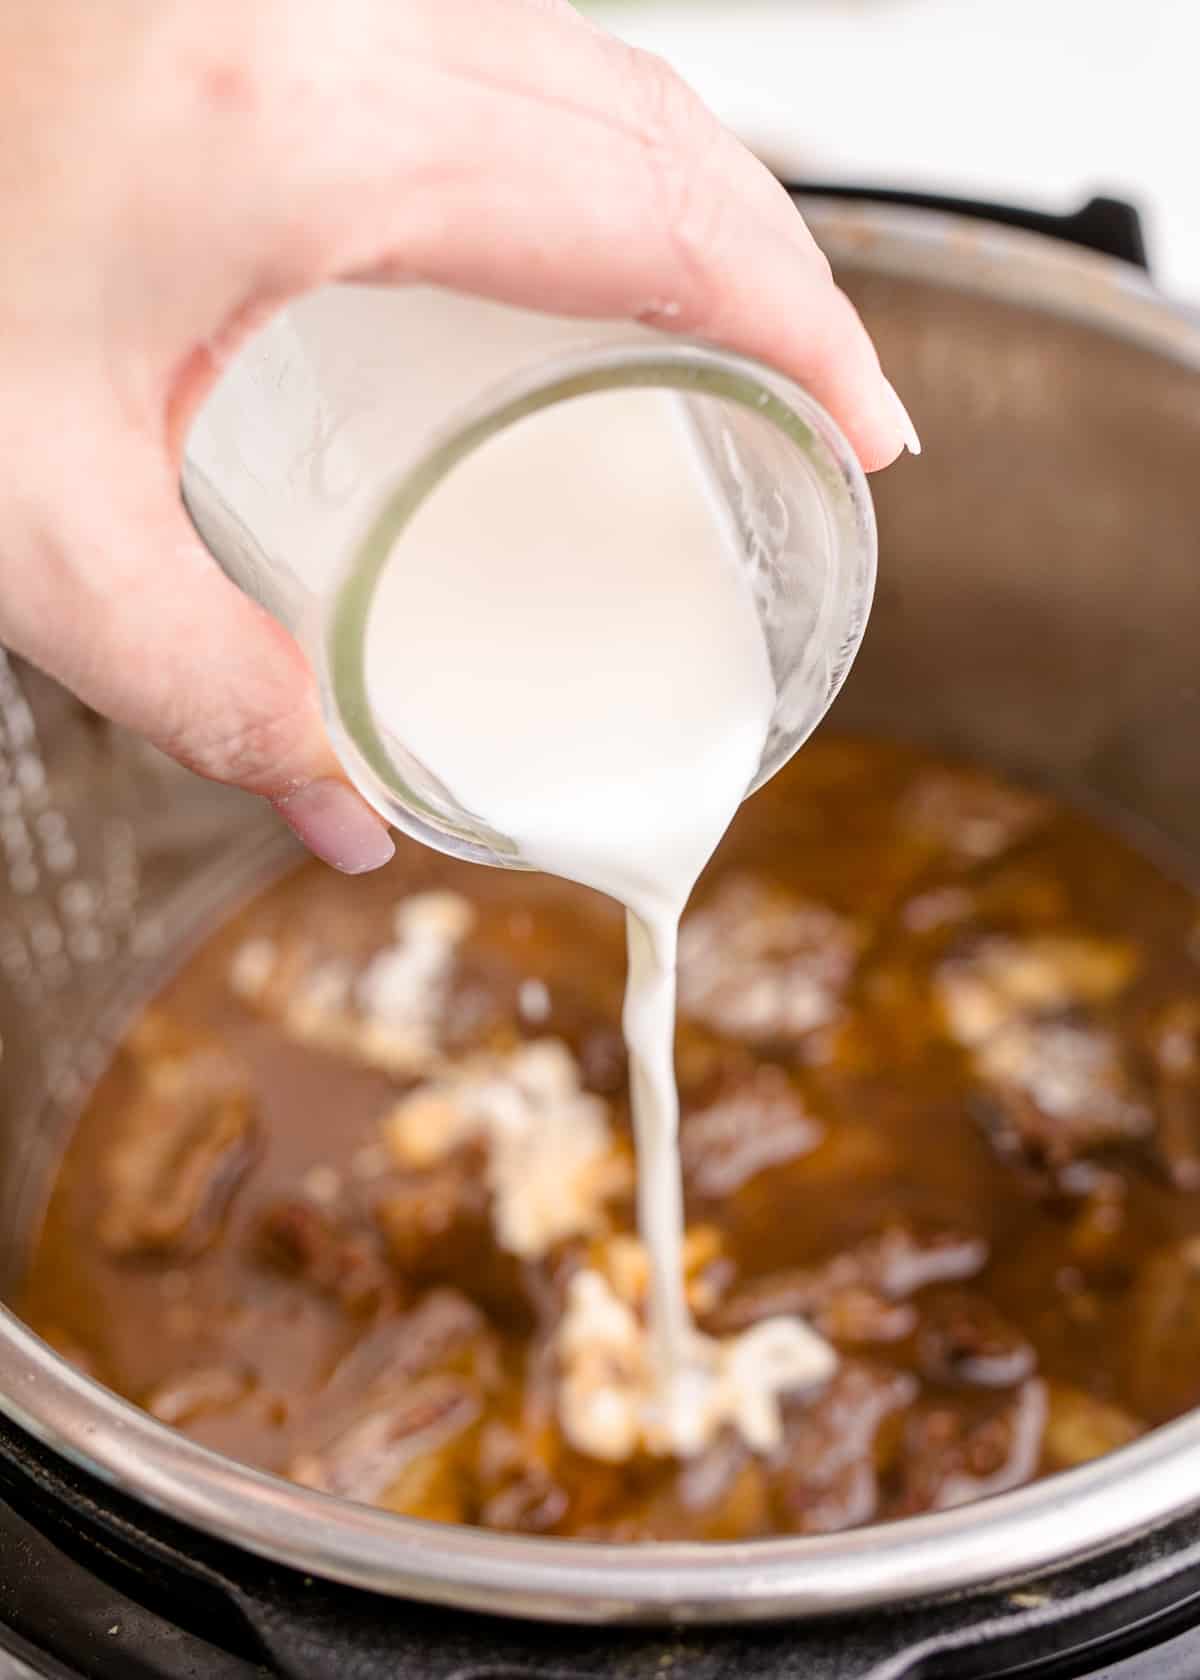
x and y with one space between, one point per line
338 634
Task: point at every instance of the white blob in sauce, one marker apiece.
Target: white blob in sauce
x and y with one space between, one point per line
567 642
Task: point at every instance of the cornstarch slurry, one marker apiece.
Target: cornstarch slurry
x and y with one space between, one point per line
569 644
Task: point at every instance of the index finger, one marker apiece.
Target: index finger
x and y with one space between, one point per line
561 170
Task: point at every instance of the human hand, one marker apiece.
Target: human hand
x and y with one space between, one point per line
170 174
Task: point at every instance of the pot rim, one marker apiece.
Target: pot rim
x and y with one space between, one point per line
1008 1537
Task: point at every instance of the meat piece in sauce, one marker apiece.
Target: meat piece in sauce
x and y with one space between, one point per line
390 1012
437 1228
387 1455
760 1124
971 814
999 982
836 1448
963 1340
1057 1090
757 963
185 1143
860 1296
334 1256
443 1330
978 1445
1055 1080
534 1503
436 1222
401 1413
195 1394
722 1493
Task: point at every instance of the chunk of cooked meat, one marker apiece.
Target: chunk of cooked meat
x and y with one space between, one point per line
1000 982
395 1424
194 1394
762 1124
757 963
1079 1427
603 1062
963 1339
443 1331
338 1259
1056 1082
373 1457
723 1493
438 1228
390 1013
534 1503
860 1295
971 814
836 1447
438 1218
184 1145
728 1489
1055 1090
951 1455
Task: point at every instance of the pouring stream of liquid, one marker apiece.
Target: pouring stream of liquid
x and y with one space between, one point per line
567 640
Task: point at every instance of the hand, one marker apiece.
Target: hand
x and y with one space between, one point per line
171 173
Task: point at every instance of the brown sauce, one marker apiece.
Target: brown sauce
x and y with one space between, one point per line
940 1064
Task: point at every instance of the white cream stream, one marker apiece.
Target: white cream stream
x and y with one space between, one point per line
567 642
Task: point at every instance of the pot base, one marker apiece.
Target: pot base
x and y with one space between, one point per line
105 1589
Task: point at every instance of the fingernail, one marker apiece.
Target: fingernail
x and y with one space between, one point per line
337 826
907 430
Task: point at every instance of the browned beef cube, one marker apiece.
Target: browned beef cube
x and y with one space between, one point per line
760 1123
835 1447
371 1458
860 1295
963 1339
184 1145
971 814
760 964
337 1259
193 1394
954 1453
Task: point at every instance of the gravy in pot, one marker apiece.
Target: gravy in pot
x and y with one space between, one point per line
939 1064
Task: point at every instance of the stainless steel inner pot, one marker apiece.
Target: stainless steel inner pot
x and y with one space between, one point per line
1038 607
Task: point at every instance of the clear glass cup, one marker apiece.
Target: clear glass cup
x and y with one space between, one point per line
333 424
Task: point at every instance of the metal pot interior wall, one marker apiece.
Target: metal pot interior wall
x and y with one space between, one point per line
1039 598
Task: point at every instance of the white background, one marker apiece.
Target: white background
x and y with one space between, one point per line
1039 102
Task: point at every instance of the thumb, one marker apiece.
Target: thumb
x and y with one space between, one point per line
129 611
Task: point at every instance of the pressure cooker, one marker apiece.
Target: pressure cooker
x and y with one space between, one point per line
1038 608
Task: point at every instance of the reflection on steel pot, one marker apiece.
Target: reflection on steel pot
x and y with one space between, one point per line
1036 608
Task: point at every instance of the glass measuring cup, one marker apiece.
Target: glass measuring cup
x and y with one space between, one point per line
332 427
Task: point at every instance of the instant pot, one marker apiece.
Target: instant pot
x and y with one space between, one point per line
1038 608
